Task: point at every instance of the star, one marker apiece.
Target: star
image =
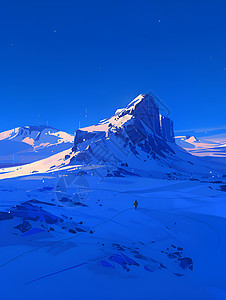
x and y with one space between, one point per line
159 21
54 30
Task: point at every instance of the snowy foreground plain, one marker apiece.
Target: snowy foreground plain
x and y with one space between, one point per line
69 233
172 247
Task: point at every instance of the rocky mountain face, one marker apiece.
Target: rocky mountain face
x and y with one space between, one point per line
136 140
140 119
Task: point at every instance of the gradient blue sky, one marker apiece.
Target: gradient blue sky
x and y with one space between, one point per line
60 57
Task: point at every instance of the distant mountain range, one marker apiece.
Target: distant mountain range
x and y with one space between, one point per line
209 143
27 144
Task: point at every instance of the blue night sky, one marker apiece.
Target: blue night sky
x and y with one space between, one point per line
60 57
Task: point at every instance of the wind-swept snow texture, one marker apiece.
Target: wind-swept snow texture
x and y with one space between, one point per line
69 229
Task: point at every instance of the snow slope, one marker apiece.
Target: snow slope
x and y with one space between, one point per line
27 144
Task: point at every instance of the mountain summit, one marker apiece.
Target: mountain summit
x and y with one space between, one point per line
136 140
145 108
139 117
139 124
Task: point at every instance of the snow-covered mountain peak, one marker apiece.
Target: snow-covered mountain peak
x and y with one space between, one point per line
135 122
145 100
132 136
188 138
24 131
35 135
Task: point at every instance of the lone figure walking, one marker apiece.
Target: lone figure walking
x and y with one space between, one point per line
135 204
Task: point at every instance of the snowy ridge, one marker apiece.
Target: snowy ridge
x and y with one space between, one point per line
211 145
36 135
30 143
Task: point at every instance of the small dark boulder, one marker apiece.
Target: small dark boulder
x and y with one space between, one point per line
186 262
